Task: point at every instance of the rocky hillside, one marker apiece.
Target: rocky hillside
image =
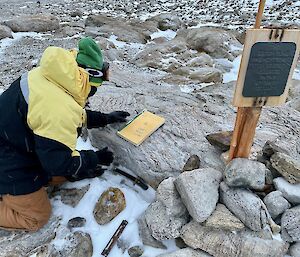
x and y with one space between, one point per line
178 59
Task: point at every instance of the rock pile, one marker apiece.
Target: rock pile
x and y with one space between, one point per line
238 217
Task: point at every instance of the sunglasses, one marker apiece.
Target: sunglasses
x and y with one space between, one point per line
102 74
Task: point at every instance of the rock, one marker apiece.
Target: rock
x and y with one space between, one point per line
167 21
242 172
272 147
295 250
131 31
135 251
21 243
76 222
109 205
207 74
221 140
213 41
201 61
36 23
245 205
192 163
287 166
222 218
145 235
5 32
123 245
71 196
166 216
220 243
290 223
276 203
187 252
199 191
289 191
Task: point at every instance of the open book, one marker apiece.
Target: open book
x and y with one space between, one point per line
141 127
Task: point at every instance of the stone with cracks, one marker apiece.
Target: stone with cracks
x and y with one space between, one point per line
220 243
289 191
241 172
245 205
276 203
287 166
290 223
199 191
166 216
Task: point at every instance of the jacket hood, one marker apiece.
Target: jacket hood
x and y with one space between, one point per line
60 67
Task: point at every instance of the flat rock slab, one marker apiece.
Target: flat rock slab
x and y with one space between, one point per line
220 243
287 166
186 252
199 190
33 23
241 172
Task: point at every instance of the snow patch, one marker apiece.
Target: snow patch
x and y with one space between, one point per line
296 74
168 34
233 73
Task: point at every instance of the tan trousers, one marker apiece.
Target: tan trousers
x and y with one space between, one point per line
29 212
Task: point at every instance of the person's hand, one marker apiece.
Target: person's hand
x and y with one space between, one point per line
117 116
90 173
105 157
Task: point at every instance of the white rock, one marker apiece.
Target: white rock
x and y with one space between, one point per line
290 191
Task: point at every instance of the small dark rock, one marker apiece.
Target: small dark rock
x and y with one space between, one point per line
76 222
221 140
192 163
135 251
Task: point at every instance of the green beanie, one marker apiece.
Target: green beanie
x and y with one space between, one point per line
89 54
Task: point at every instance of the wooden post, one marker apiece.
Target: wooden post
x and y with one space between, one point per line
247 117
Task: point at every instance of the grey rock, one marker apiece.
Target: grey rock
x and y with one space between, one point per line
201 61
192 163
287 166
167 21
222 218
241 172
36 23
294 250
271 147
276 203
71 196
166 216
199 191
245 205
220 243
135 251
207 74
146 236
290 223
187 252
212 41
5 32
291 192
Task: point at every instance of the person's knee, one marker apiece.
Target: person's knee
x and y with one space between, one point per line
40 220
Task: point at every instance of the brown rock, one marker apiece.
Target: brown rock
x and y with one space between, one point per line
221 140
192 163
109 205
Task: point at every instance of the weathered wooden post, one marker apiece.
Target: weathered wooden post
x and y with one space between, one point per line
268 62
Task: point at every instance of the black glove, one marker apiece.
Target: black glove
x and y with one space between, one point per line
105 157
89 173
117 116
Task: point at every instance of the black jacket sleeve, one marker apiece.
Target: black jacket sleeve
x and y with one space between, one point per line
96 119
57 160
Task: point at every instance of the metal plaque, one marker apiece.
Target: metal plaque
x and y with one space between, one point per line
268 68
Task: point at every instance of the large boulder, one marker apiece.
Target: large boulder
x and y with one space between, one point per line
220 243
167 21
199 190
36 23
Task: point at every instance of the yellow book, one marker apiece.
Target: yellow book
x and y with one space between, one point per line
141 127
